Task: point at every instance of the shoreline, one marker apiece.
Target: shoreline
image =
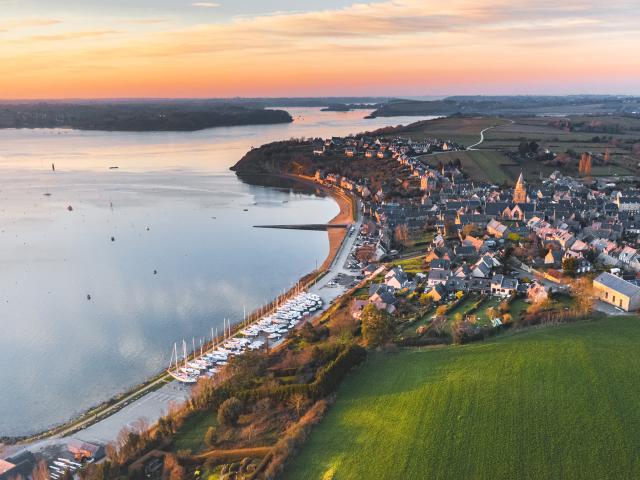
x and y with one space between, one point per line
347 214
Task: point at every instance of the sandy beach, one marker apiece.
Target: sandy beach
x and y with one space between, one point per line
345 216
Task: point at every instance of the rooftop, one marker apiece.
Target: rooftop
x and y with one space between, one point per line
618 284
5 466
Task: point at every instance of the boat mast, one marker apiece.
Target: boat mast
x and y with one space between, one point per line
184 352
175 351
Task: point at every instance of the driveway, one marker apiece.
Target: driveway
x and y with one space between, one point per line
609 309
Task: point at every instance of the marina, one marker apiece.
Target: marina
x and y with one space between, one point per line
268 328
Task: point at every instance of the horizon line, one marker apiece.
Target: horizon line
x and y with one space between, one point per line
302 97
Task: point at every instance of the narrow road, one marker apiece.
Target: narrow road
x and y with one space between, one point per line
321 288
471 147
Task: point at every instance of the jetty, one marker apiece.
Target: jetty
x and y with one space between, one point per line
309 226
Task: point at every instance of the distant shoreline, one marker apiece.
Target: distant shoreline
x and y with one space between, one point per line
137 117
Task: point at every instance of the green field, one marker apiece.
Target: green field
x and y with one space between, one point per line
411 265
465 131
485 165
191 435
487 162
557 402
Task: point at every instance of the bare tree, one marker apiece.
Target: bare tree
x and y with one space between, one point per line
582 289
40 471
172 469
298 402
439 324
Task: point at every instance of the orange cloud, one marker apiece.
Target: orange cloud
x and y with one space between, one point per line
384 47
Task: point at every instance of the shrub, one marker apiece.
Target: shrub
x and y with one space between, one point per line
293 438
210 437
229 411
442 310
327 379
425 300
313 334
377 326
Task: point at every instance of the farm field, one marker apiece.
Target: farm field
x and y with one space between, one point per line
485 165
465 130
557 402
488 161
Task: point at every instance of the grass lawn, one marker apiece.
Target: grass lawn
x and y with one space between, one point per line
191 435
424 319
418 243
490 302
411 265
361 293
518 306
557 402
463 306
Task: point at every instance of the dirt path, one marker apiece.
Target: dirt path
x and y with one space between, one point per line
472 147
233 454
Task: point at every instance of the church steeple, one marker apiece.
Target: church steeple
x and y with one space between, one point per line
520 191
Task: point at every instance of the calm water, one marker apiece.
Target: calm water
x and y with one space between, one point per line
172 207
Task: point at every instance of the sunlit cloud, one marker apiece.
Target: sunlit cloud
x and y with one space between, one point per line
394 46
71 36
28 23
205 4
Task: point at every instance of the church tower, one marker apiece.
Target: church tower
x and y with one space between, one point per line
520 191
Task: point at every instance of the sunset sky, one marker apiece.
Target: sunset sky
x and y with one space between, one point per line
179 48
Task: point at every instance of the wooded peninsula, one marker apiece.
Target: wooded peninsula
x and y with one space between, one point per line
137 116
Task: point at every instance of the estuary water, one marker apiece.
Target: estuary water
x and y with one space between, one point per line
134 242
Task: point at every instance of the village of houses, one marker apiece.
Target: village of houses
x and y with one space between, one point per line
494 244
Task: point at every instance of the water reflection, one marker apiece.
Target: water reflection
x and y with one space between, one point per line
173 208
